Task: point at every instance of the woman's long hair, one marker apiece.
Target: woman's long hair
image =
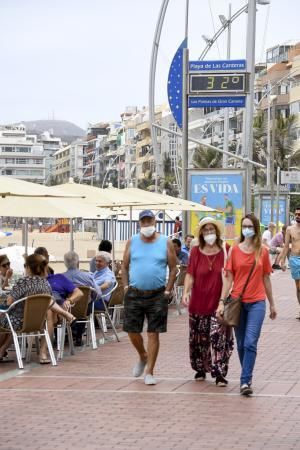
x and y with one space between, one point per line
37 265
202 242
257 237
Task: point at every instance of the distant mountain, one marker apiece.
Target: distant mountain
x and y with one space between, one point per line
67 131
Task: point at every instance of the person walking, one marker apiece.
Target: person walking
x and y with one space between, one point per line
211 343
144 272
249 257
292 239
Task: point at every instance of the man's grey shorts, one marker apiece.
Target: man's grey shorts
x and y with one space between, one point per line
150 304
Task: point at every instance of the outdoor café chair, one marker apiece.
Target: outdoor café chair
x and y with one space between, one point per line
115 302
80 311
34 324
176 297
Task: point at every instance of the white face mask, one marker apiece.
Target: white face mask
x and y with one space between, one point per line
148 231
210 239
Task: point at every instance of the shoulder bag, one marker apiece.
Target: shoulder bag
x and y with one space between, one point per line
232 306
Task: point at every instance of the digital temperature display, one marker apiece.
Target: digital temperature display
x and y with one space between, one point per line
217 83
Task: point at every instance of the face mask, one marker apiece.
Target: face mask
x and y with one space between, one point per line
210 239
147 231
248 232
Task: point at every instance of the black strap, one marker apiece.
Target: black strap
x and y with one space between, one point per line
247 281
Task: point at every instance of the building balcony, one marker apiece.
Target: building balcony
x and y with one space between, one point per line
143 126
295 93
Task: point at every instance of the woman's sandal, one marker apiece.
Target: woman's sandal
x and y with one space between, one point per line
45 361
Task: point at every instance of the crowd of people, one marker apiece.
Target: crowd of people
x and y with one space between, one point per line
215 272
64 288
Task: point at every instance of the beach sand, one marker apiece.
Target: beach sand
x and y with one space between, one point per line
57 244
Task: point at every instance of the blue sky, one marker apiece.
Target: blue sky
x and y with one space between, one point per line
85 60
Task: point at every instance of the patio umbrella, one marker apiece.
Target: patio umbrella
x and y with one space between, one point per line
13 187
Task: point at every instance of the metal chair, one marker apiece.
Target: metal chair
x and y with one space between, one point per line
179 281
80 311
115 302
34 324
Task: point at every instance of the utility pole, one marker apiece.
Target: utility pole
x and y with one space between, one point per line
272 174
226 113
248 112
185 118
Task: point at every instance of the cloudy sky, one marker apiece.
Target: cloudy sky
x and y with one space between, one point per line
85 60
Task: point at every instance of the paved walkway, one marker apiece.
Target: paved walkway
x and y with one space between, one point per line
90 401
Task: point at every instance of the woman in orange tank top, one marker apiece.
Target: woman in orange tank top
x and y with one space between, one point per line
253 307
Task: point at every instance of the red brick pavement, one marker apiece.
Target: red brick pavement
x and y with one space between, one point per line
91 401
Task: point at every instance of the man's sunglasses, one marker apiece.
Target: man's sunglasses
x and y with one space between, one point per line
5 264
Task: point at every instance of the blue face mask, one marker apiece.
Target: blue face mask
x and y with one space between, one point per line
248 232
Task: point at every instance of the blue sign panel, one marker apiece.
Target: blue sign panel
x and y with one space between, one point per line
221 102
175 84
233 65
266 211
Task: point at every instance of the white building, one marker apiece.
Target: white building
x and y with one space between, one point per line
21 156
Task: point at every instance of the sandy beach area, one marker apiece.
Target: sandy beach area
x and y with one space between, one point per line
57 244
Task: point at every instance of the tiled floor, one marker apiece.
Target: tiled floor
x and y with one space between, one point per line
90 401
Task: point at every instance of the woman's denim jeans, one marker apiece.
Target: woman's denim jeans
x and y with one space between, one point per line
247 334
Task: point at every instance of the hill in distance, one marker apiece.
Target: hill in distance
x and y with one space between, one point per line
67 131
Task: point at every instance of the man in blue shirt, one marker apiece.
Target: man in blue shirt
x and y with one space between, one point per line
182 255
80 278
187 243
144 272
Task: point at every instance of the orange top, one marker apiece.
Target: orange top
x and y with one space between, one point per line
240 264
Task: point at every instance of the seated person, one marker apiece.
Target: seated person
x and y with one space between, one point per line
268 234
80 278
5 271
182 256
63 290
104 246
187 243
103 277
276 246
34 282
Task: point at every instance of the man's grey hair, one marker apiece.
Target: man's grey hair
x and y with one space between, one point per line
104 255
71 260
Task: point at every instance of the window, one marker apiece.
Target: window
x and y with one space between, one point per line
8 149
23 149
9 160
21 160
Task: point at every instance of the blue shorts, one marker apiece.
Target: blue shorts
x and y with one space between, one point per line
294 262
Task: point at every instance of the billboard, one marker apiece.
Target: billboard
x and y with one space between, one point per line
222 190
265 216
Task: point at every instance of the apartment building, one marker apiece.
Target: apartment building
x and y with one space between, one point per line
21 156
50 145
93 151
281 78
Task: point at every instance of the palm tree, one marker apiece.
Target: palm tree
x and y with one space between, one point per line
283 144
206 158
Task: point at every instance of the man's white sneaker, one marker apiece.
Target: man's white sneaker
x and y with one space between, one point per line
149 379
139 368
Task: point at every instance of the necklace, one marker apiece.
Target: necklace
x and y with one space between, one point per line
210 262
